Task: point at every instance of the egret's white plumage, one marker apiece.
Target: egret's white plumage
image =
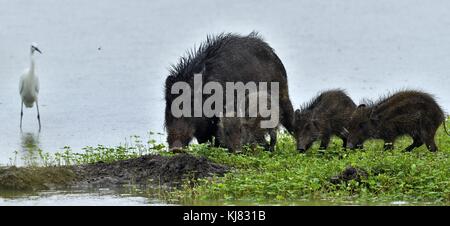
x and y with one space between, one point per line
29 86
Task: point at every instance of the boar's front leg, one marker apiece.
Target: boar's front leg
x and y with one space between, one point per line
273 139
344 142
325 140
388 145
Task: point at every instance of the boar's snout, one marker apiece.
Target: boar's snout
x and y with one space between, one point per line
234 148
301 149
351 146
176 146
354 146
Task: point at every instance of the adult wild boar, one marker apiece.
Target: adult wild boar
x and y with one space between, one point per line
324 116
223 58
408 112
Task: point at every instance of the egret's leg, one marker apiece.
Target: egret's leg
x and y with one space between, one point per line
38 116
21 116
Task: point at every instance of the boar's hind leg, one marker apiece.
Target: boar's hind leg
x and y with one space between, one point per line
344 141
260 140
417 142
287 114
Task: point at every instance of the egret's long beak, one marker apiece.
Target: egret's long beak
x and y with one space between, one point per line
38 50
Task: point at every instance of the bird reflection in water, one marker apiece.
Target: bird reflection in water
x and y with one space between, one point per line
30 148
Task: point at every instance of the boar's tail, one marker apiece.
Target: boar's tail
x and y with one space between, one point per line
445 127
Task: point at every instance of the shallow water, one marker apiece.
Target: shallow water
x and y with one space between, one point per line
81 198
104 62
107 197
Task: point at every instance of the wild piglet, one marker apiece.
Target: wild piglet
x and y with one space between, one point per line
408 112
324 116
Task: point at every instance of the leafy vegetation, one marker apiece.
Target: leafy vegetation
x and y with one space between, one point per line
258 176
133 148
286 176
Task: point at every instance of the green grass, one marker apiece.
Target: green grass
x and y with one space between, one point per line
286 176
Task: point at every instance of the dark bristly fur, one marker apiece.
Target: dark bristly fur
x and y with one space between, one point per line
324 116
407 112
235 132
224 58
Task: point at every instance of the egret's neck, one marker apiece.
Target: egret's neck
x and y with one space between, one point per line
32 64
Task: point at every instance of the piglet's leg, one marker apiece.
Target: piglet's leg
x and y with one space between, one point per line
416 143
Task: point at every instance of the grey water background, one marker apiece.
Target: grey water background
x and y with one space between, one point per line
104 62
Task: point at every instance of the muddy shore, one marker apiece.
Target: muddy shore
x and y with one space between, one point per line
149 169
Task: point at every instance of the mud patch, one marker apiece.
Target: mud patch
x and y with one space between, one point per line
156 169
350 173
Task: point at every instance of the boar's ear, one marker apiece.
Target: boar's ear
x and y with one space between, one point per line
362 106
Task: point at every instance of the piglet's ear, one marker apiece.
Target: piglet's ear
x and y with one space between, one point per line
297 114
362 106
374 117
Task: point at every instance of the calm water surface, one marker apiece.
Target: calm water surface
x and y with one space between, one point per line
104 62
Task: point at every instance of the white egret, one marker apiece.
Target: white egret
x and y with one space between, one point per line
29 86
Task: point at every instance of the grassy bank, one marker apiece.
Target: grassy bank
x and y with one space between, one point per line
285 176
